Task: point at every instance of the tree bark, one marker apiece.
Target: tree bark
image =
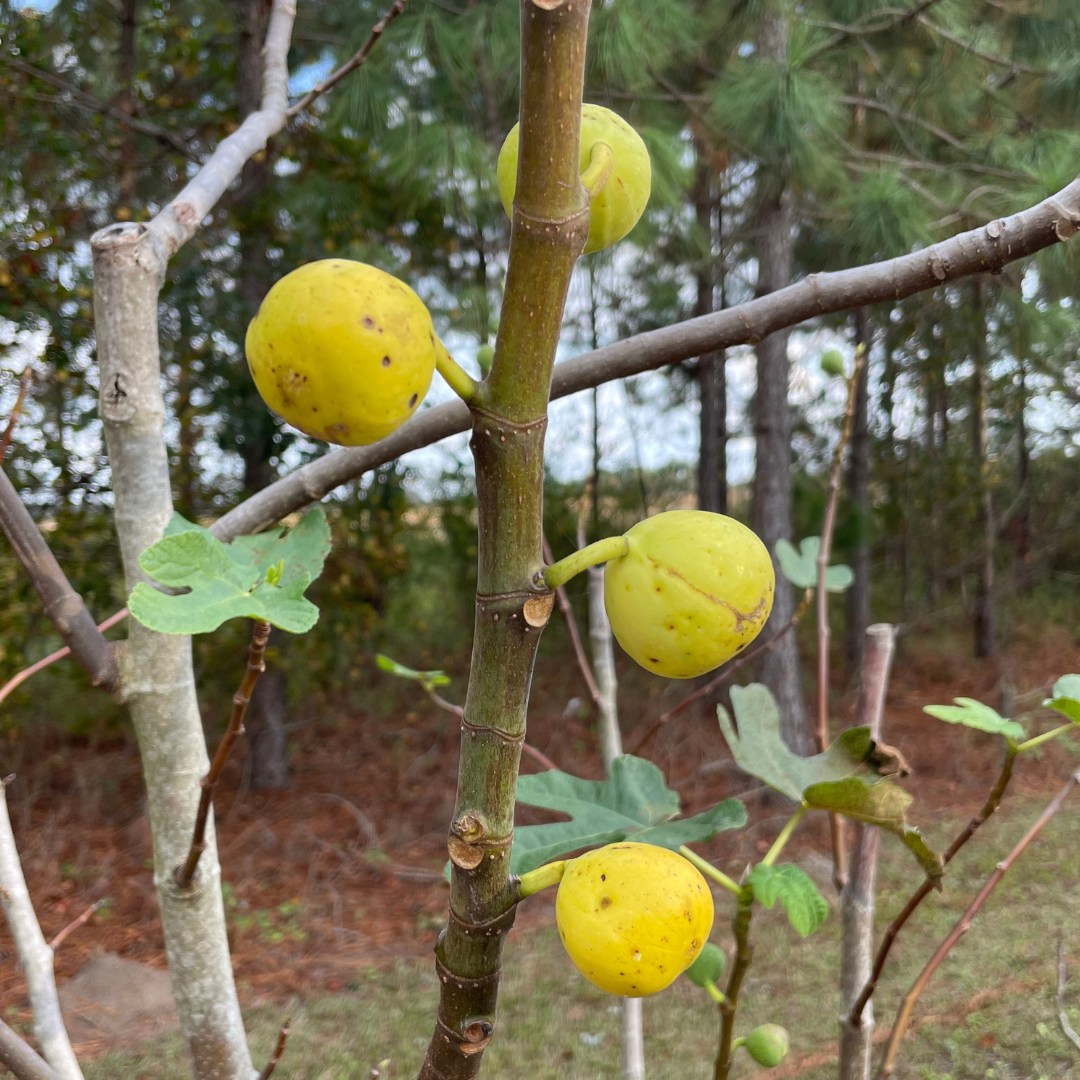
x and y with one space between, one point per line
712 384
857 899
34 954
984 602
268 742
857 599
156 671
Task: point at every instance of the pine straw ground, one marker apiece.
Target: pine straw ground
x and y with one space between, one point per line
334 898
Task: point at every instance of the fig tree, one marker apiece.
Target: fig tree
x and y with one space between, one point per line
693 589
342 350
618 205
633 917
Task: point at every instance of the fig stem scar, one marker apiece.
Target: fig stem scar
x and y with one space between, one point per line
709 870
455 376
541 878
559 573
601 162
785 835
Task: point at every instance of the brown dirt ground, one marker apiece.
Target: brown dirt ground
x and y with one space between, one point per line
312 907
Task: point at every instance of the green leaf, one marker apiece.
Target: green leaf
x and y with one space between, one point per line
258 577
759 750
428 679
805 906
882 804
800 567
634 803
974 714
1065 698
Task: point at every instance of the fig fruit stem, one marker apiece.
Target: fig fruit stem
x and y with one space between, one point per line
601 162
542 877
715 993
559 573
709 870
737 1043
785 835
454 375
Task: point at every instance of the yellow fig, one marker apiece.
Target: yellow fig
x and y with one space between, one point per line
693 590
615 210
633 917
342 350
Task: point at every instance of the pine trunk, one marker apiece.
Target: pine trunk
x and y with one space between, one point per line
984 600
858 595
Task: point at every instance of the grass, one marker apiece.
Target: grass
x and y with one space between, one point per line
989 1013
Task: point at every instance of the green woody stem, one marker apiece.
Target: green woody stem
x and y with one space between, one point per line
509 417
559 573
744 955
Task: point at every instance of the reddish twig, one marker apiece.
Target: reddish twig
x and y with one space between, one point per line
924 890
279 1049
351 64
963 924
44 662
71 926
16 411
729 672
575 638
832 499
260 634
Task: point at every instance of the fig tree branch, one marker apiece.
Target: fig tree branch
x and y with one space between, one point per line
983 250
924 890
23 1062
963 924
260 634
74 925
351 64
279 1049
143 127
744 955
16 412
62 604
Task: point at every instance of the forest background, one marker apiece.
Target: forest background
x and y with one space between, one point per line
785 139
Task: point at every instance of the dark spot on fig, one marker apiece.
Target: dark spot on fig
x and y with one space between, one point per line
605 901
653 660
603 877
386 361
412 400
369 322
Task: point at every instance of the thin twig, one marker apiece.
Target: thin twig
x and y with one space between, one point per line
260 634
5 442
351 64
924 890
279 1049
963 924
92 910
575 638
21 676
832 499
144 127
729 672
1063 1016
744 955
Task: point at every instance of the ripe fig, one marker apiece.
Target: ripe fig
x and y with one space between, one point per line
342 351
633 917
767 1045
708 967
615 210
694 589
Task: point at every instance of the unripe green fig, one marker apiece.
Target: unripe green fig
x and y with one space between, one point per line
832 362
693 590
708 967
616 208
767 1045
342 351
484 356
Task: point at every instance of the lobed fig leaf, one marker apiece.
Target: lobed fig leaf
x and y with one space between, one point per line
633 917
800 566
708 967
768 1045
633 803
692 591
974 714
342 351
258 577
619 204
805 906
1065 697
